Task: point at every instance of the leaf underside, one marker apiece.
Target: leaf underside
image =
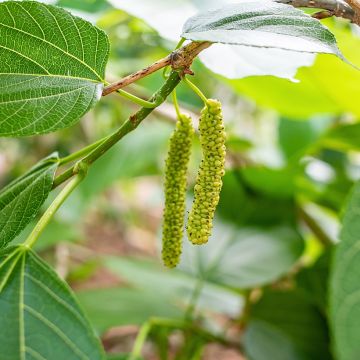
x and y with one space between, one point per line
262 24
21 200
51 70
39 312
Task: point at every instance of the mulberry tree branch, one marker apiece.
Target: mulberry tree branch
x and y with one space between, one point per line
349 10
355 5
180 59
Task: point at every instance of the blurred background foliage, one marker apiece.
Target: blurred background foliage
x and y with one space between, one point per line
259 285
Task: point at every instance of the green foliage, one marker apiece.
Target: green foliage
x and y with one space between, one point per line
212 169
21 200
175 190
39 312
52 67
257 24
344 289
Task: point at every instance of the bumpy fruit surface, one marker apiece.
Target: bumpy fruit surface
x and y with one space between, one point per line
175 190
212 168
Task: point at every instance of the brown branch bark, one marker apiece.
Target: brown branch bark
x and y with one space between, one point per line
355 4
333 7
180 59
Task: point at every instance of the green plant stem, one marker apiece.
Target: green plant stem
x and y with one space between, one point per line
176 104
131 124
196 90
82 152
53 208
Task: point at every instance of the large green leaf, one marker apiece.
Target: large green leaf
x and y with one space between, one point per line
262 24
39 316
345 286
21 200
51 70
286 326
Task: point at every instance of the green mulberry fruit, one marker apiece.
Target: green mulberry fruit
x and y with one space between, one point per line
175 190
209 179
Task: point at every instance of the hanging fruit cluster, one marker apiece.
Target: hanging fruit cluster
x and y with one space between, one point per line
175 190
208 183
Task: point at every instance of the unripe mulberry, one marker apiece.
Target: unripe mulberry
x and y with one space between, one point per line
175 190
209 179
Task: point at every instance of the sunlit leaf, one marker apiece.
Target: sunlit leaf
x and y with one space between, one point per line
261 24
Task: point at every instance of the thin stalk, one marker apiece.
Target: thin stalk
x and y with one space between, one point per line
135 99
196 90
176 104
52 209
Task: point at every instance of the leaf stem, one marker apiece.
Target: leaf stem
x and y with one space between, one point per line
135 99
53 208
176 104
82 152
196 90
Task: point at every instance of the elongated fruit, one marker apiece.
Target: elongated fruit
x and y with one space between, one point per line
175 190
212 168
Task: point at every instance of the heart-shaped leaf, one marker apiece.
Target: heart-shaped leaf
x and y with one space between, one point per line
262 24
243 258
51 70
39 316
345 287
21 200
